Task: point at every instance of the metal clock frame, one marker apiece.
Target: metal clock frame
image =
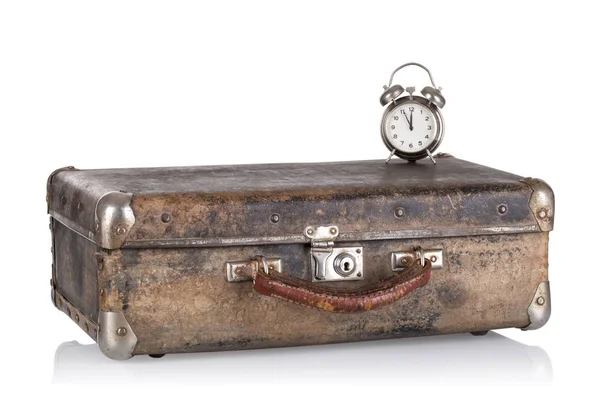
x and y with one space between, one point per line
439 134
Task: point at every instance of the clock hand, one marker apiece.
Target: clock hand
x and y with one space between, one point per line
410 123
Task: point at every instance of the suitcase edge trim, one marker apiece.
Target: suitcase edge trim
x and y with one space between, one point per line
76 315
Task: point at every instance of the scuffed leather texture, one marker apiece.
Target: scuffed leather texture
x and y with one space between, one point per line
315 295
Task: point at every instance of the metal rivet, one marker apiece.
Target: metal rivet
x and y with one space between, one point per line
540 300
433 259
97 226
358 251
94 333
121 331
333 231
120 230
85 325
101 290
63 200
166 217
404 260
309 232
399 212
274 218
502 209
59 302
358 274
80 207
542 214
77 317
68 311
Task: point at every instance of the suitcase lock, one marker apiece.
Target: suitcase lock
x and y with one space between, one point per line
330 263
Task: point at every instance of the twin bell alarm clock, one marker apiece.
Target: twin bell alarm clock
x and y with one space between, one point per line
412 126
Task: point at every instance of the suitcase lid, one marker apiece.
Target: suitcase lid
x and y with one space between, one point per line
275 203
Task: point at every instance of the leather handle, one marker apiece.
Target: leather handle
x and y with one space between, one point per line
315 295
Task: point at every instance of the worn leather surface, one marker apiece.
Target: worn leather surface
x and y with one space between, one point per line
369 175
303 292
226 205
179 299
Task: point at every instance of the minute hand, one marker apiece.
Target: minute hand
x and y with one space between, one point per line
410 122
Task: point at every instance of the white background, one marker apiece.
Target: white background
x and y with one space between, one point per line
128 84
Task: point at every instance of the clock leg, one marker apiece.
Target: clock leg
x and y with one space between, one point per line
390 156
431 157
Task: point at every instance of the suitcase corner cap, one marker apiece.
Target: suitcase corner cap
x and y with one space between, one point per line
115 336
114 219
541 203
539 309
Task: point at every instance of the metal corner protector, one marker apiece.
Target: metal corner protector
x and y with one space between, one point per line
116 339
540 307
114 219
541 203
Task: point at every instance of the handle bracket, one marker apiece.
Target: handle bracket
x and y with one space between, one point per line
402 259
237 271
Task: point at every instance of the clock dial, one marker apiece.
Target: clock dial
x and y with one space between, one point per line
410 127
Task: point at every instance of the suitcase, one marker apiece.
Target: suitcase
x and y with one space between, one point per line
187 259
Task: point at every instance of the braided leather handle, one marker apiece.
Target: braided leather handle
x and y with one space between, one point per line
299 291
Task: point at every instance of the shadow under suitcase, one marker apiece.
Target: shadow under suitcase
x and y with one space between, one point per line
452 359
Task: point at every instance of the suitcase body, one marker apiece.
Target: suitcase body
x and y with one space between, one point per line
163 260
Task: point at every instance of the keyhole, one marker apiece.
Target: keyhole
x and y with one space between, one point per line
346 266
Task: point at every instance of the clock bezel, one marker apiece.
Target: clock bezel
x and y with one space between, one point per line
439 134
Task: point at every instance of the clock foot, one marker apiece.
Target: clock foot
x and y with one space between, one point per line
431 157
390 156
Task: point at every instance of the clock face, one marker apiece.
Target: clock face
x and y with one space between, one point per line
410 127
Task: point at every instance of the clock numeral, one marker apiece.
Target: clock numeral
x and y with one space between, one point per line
428 127
426 118
401 142
410 145
395 136
411 109
396 118
420 143
393 126
402 112
426 136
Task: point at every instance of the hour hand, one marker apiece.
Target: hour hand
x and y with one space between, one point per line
409 121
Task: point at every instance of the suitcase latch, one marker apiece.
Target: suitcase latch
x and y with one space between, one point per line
330 263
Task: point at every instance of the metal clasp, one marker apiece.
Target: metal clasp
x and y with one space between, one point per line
330 263
233 267
402 259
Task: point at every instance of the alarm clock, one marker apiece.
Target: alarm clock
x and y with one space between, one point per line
412 126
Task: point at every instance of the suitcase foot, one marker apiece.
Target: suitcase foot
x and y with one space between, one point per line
156 355
479 333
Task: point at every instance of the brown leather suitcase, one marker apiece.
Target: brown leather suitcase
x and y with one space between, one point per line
164 260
